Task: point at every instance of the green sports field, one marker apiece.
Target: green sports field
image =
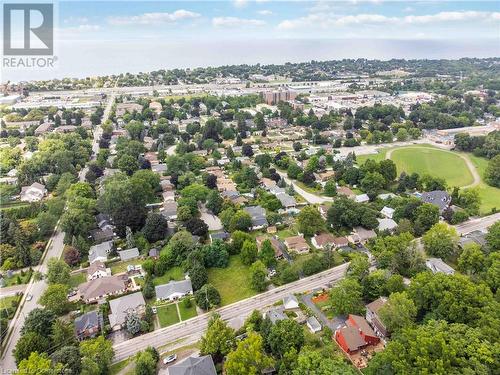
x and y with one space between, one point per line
427 160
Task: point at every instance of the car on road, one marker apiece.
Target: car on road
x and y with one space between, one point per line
154 309
29 297
169 359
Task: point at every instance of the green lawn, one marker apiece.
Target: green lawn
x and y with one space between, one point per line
77 279
18 279
233 282
187 312
425 159
167 315
174 273
490 196
6 302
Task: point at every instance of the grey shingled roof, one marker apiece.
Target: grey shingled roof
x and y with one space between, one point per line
86 321
194 366
166 290
129 254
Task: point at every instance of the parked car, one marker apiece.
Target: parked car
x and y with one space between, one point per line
169 359
29 297
154 309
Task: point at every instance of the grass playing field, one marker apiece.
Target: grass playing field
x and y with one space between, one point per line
490 196
427 160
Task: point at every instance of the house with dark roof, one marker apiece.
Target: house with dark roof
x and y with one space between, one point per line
222 235
373 319
356 335
275 315
258 215
88 325
129 254
173 290
194 366
439 198
100 252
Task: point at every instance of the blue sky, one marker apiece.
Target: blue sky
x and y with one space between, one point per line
98 37
377 19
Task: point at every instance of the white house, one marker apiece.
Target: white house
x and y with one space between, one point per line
437 265
313 324
33 193
387 212
290 302
362 198
97 270
173 290
386 224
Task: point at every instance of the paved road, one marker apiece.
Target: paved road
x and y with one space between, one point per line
481 224
470 166
35 289
12 290
309 197
190 331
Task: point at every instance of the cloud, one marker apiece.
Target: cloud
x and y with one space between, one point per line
240 3
236 22
265 12
326 20
153 18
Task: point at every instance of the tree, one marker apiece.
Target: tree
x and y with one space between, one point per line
492 172
493 237
388 170
472 259
372 183
197 227
133 322
28 343
346 297
313 362
55 298
214 202
216 254
219 340
240 221
248 252
63 332
248 358
40 364
237 239
39 321
155 228
71 255
128 164
426 215
398 312
310 221
100 351
470 200
198 274
258 276
330 189
180 245
266 254
145 363
58 272
359 266
436 348
246 150
69 358
440 241
207 297
285 335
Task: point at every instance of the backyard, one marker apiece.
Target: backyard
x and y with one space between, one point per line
233 282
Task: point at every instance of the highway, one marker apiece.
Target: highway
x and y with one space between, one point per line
191 330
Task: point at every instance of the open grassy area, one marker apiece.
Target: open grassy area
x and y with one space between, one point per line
17 279
490 196
6 302
77 279
121 267
167 315
426 159
233 282
174 273
187 312
115 368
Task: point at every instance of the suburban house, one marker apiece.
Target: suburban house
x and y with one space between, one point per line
193 366
373 319
100 252
344 190
476 237
120 307
88 325
439 198
287 201
169 211
95 290
323 240
275 315
387 212
297 244
276 244
97 270
356 335
341 241
386 224
313 324
129 254
362 235
33 193
437 265
159 168
362 198
168 196
222 235
173 290
258 215
290 302
267 183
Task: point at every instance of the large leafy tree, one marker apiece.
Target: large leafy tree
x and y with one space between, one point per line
248 252
100 351
28 343
310 221
313 362
285 335
58 271
266 254
69 357
258 276
155 228
216 254
219 339
398 312
249 357
40 364
346 297
441 240
55 298
39 321
207 297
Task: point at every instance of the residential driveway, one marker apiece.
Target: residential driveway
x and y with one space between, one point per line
180 357
333 324
211 220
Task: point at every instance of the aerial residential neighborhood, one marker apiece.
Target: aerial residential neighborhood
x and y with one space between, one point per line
323 217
